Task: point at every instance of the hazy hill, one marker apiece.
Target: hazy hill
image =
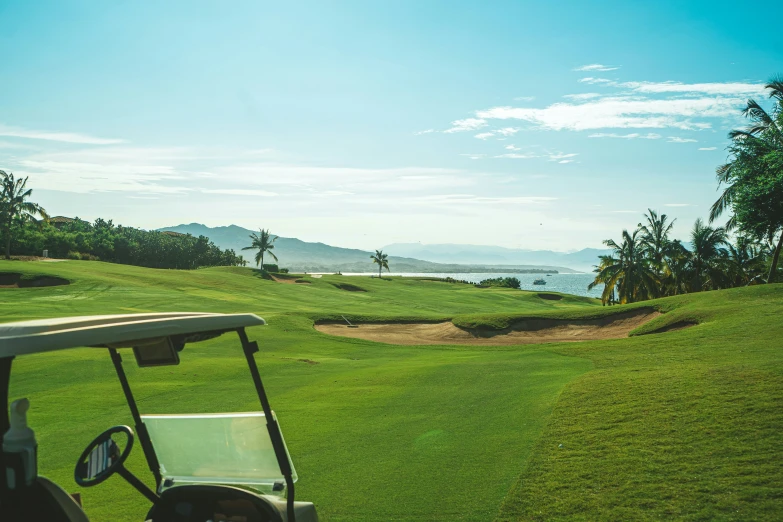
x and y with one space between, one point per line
302 256
582 260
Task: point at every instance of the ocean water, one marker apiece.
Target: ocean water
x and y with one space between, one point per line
575 284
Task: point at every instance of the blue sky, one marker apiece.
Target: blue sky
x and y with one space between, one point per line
365 123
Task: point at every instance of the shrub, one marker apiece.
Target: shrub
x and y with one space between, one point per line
503 282
271 268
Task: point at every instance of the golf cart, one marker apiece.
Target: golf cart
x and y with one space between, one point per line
231 467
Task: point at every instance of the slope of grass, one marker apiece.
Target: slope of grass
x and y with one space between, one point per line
679 425
376 433
684 425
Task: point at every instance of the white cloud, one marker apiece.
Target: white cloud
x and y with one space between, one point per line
474 156
484 135
593 81
566 161
513 155
240 192
467 124
583 96
508 131
620 113
555 156
677 139
708 148
419 133
727 88
470 198
512 147
631 136
66 137
596 67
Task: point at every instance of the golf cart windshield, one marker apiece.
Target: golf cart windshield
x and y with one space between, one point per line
219 448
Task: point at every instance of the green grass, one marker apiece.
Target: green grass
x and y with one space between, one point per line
681 425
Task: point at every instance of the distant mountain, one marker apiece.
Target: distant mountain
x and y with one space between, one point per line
301 256
583 260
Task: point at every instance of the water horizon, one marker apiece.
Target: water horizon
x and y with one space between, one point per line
575 284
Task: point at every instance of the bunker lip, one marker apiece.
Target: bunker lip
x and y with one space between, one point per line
525 331
17 280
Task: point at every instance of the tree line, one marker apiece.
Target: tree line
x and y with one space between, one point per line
647 263
25 235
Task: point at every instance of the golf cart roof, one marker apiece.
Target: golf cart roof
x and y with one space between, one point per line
102 331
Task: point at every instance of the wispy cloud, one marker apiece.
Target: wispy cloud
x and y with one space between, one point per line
419 133
484 135
514 155
240 192
583 96
596 67
630 136
620 113
468 124
471 198
512 147
708 148
65 137
558 156
474 156
677 139
507 131
594 81
726 88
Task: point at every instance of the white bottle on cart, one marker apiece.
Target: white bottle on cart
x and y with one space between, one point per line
19 441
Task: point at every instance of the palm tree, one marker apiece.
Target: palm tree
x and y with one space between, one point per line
744 262
758 158
264 243
606 271
676 272
627 270
14 206
382 260
655 238
708 249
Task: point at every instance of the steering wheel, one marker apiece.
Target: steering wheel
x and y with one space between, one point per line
103 457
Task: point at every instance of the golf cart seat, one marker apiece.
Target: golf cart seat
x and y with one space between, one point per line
62 500
43 500
196 503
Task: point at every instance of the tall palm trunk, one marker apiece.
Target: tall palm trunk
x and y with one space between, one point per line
380 267
775 257
7 233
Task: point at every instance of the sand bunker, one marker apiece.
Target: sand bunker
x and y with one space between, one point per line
526 331
14 280
348 287
289 280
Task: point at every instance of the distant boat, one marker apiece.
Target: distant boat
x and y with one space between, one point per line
539 282
549 275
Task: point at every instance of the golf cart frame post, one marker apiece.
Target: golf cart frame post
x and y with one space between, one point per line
249 348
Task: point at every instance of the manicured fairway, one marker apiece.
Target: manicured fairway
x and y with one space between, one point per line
377 432
679 425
